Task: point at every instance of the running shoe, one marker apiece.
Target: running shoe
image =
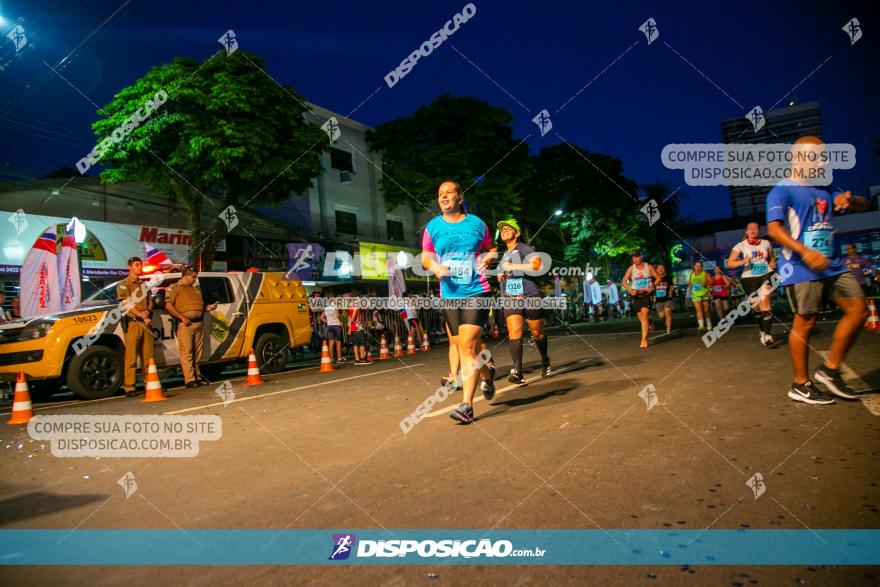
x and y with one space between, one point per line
831 380
487 386
546 371
668 331
701 328
463 413
809 394
515 377
453 383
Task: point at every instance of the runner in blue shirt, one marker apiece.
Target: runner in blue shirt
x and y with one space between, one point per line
799 219
452 244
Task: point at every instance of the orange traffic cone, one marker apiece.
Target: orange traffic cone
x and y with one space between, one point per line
253 374
22 409
873 321
326 363
398 350
383 349
370 354
426 344
152 385
495 333
410 344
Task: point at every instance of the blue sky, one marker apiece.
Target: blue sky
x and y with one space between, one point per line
522 56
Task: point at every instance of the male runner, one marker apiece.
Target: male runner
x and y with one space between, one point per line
755 256
799 219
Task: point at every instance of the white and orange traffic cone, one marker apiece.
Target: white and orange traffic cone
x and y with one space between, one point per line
398 350
152 385
873 321
369 354
22 408
410 344
326 363
253 374
383 349
426 344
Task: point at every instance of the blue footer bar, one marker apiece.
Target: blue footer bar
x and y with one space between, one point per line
439 547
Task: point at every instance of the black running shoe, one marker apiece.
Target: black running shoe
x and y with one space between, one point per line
515 377
463 413
831 380
487 386
132 393
809 394
546 371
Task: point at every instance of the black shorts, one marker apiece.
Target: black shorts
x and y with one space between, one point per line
457 316
640 302
720 297
358 338
753 284
528 313
333 333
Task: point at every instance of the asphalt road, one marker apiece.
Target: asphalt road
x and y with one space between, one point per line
578 450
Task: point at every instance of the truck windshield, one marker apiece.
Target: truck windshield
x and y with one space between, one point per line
102 296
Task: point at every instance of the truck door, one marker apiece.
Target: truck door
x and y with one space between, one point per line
165 342
220 332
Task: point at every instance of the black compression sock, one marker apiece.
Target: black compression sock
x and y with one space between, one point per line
516 353
767 324
542 348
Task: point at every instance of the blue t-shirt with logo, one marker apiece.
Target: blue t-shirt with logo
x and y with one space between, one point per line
806 213
458 244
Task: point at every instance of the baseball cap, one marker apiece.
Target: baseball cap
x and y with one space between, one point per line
509 222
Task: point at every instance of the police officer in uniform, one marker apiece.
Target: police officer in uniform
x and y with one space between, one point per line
185 303
136 324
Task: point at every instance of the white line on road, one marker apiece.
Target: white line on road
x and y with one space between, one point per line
498 392
250 397
871 402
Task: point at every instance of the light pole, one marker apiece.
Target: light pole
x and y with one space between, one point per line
557 212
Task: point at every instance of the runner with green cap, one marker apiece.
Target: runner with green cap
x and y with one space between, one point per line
518 267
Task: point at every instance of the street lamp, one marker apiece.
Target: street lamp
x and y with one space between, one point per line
557 212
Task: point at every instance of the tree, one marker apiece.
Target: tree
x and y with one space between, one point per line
600 212
460 139
227 135
661 241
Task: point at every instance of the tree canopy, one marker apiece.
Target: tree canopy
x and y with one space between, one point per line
227 134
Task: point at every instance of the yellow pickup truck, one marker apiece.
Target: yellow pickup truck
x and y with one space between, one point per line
83 348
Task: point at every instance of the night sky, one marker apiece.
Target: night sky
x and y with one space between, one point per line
539 55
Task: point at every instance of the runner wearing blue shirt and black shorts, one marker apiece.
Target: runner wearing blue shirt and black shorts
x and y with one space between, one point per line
452 244
799 219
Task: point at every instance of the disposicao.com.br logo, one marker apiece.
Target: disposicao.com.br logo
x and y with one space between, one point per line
344 545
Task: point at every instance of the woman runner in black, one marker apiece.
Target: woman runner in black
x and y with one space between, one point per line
518 286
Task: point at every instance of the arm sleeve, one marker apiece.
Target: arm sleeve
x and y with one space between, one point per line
427 243
777 203
486 243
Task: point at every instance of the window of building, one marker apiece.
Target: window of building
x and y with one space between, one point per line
346 223
395 229
341 160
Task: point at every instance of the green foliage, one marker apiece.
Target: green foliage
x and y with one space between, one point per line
459 139
227 134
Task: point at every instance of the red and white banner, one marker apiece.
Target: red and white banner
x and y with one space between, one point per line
156 257
39 277
68 271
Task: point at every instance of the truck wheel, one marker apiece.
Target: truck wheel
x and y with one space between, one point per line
95 373
271 352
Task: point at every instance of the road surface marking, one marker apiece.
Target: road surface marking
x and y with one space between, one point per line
871 402
250 397
79 402
498 392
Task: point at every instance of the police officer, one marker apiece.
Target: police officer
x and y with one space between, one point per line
185 303
136 324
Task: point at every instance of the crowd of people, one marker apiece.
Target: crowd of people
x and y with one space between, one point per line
458 249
